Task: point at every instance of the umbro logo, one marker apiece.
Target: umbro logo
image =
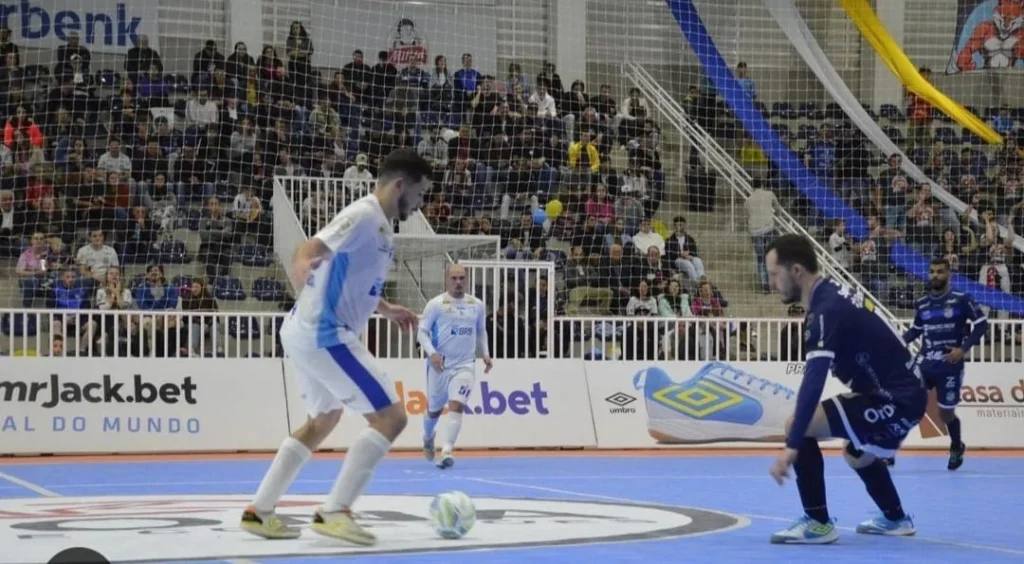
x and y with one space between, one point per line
620 400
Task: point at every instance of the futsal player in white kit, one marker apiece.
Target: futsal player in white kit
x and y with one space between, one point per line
453 327
342 270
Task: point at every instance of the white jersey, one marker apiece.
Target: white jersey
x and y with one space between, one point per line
343 292
454 329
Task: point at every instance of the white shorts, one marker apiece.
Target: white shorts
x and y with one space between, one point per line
452 384
342 376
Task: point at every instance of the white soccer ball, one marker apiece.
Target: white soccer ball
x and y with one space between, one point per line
452 515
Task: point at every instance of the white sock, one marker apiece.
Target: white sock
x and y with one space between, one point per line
356 471
290 458
452 429
429 424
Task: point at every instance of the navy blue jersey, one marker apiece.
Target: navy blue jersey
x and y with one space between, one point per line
847 334
867 354
947 321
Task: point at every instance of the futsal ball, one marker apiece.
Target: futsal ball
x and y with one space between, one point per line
452 515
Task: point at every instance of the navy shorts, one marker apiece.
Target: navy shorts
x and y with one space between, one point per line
875 424
947 381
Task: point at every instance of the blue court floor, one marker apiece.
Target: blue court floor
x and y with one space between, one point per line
974 514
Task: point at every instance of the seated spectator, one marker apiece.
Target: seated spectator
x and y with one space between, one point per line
51 221
148 164
600 206
112 296
629 121
40 185
840 245
457 187
141 58
22 122
647 238
642 304
681 251
705 304
921 228
154 91
25 158
653 269
156 294
249 219
243 144
358 180
590 237
58 257
200 300
584 163
201 112
141 237
584 283
547 106
194 177
434 149
70 294
94 259
31 270
216 231
114 160
324 122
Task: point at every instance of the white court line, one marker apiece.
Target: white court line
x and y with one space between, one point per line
434 476
748 515
28 485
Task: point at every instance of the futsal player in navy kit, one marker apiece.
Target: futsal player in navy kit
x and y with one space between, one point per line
845 333
951 323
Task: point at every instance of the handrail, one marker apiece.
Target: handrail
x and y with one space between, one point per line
738 177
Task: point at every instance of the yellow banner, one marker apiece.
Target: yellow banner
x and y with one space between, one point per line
873 30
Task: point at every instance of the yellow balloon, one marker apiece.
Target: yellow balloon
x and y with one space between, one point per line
554 209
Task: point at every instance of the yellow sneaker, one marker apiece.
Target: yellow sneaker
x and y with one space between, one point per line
267 525
341 525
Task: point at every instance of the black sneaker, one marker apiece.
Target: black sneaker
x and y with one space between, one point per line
956 456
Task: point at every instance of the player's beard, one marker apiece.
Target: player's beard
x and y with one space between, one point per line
938 286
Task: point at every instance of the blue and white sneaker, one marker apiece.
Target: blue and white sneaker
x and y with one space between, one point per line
882 526
428 448
807 531
718 403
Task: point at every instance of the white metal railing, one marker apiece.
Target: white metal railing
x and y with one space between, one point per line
253 335
736 176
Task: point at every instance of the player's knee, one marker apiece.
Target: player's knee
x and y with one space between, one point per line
857 459
456 407
390 421
947 414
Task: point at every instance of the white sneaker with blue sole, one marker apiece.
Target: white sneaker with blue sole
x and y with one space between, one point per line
881 526
807 531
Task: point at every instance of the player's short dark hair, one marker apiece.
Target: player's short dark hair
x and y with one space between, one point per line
405 163
941 261
795 249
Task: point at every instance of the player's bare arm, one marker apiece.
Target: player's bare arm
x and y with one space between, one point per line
403 316
306 259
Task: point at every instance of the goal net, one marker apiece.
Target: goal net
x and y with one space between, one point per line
649 151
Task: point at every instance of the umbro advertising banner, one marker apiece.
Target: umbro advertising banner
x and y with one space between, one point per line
128 405
745 405
520 404
691 404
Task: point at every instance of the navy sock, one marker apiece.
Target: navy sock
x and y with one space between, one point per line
880 487
810 480
953 426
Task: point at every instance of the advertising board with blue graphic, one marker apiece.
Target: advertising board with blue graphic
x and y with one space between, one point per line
673 404
103 26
